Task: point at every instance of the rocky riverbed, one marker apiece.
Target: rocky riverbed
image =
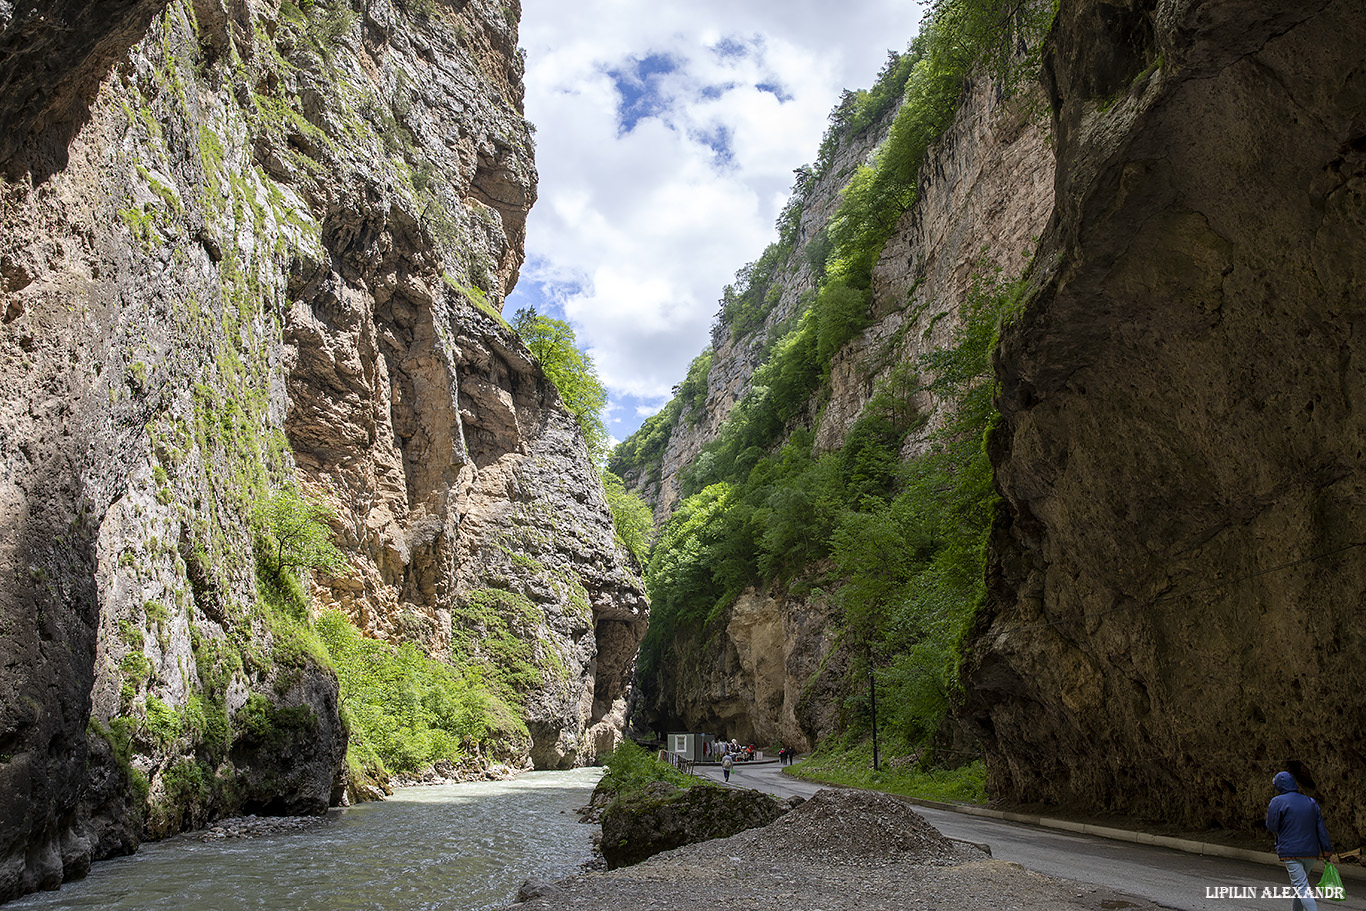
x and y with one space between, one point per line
846 850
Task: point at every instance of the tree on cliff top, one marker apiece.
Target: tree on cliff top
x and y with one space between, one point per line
571 370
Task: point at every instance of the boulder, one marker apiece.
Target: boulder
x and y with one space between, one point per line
662 817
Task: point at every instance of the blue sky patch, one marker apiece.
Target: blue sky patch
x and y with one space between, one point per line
735 47
638 85
547 297
776 90
719 141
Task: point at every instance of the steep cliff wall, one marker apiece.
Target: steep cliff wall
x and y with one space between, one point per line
737 351
773 668
247 245
1176 581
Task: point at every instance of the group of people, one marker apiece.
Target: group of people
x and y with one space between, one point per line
729 752
722 749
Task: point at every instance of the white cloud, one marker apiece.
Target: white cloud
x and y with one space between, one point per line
666 139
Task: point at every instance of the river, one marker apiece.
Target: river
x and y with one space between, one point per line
443 848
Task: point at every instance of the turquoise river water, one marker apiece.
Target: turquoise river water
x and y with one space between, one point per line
445 848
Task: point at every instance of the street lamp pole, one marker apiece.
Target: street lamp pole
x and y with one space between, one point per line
872 701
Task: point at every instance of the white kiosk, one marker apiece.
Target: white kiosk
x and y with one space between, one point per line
689 745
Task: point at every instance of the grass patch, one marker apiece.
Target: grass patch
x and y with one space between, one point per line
411 711
631 769
853 767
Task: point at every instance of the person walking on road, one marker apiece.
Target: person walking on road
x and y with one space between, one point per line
726 763
1301 837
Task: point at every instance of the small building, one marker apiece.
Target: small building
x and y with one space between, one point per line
692 746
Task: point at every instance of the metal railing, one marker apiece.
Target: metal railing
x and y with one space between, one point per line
677 760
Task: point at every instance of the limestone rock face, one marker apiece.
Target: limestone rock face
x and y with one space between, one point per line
767 679
775 673
245 245
986 194
737 355
1176 579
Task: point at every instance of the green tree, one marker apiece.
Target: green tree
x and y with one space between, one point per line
294 532
571 370
631 517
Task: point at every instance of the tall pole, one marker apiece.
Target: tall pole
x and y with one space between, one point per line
872 700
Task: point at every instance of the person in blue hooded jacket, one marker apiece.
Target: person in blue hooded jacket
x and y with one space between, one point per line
1301 837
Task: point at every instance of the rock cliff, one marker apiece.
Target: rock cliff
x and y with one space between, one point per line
775 670
246 245
738 351
1176 578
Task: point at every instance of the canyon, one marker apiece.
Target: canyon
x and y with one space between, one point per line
1174 565
252 247
256 248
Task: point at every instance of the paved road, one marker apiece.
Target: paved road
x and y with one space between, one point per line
1169 878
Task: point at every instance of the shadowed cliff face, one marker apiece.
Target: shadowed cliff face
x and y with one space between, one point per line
53 57
246 245
1176 579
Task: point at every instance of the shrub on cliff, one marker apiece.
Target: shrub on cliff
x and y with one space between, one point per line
631 517
631 768
413 711
293 533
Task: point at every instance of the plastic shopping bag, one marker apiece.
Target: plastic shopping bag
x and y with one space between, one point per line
1330 883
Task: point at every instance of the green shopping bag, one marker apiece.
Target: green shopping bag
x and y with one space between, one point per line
1330 883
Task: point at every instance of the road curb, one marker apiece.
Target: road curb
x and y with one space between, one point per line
1187 845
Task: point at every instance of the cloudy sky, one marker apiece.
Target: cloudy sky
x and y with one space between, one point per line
666 137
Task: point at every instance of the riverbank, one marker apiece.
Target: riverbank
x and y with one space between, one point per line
851 850
462 847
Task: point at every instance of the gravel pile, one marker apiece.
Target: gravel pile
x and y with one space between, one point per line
839 851
853 827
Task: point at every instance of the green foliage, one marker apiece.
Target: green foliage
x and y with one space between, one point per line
903 542
692 392
632 768
864 108
957 35
264 724
163 721
745 305
680 579
642 454
495 631
631 517
329 21
408 709
571 370
852 766
841 313
907 605
294 533
119 735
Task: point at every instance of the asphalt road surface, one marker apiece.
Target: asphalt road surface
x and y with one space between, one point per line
1169 878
